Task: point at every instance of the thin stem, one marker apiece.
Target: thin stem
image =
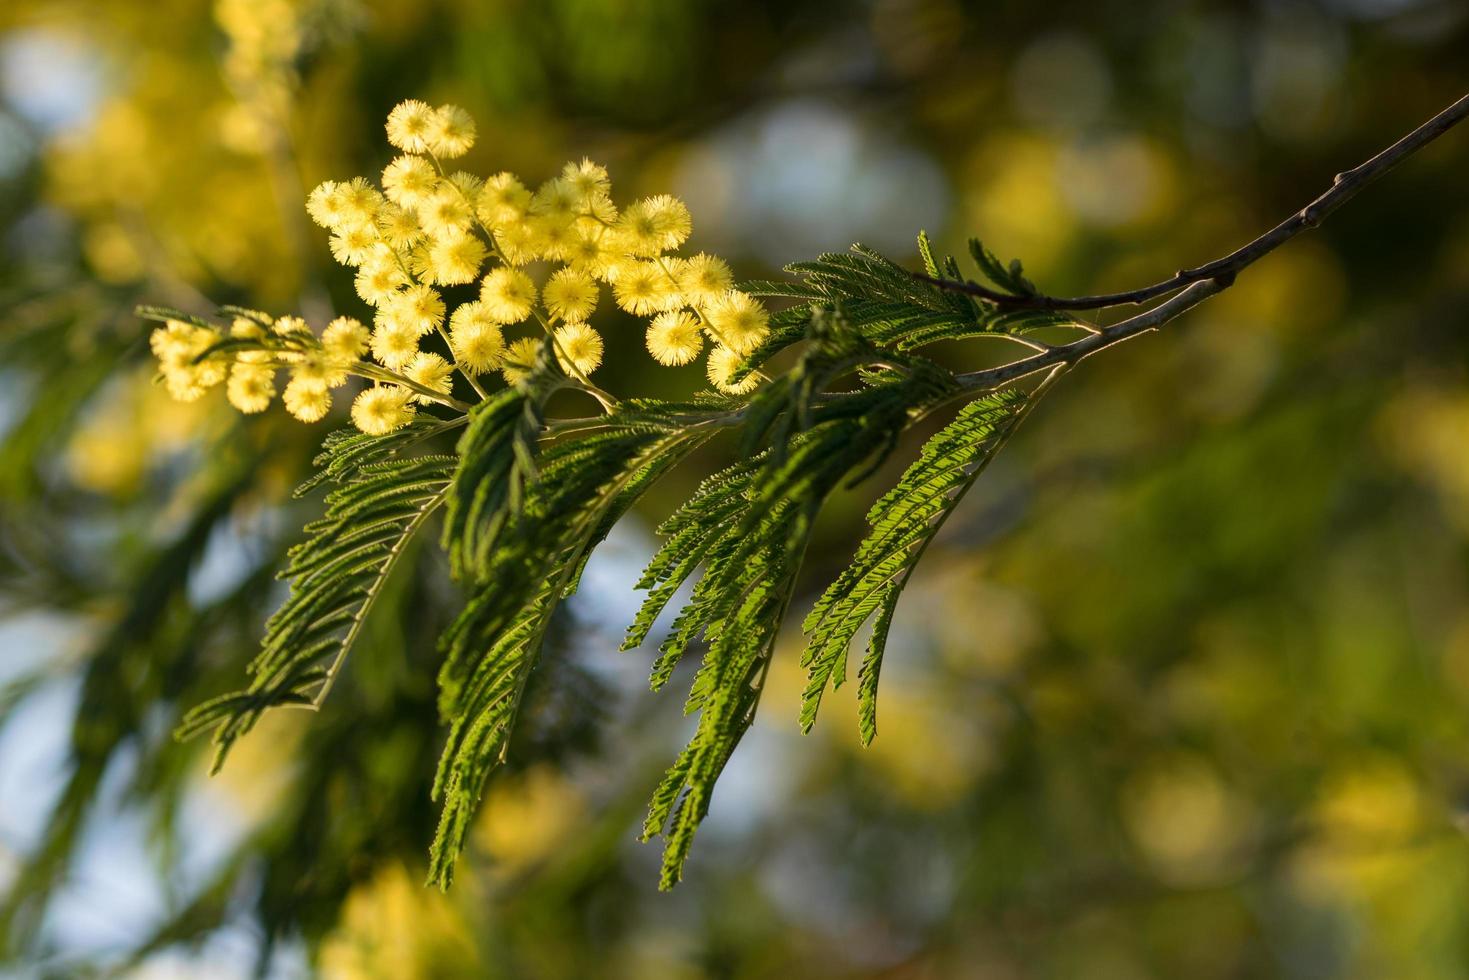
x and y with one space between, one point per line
473 381
375 373
607 399
1344 186
1079 349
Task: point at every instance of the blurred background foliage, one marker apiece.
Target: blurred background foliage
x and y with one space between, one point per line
1183 692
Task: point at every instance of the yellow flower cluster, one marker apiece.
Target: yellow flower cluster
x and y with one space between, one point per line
535 258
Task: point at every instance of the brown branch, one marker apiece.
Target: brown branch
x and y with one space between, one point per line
1090 344
1345 186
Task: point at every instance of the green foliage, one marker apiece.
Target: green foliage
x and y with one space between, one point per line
527 499
903 523
380 499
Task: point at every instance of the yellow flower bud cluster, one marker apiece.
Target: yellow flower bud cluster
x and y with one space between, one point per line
535 260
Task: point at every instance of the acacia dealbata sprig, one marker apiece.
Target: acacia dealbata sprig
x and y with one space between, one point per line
452 265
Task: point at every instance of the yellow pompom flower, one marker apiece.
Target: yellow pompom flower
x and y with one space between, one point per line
418 307
320 369
379 279
738 321
308 401
354 245
503 200
410 125
508 295
325 205
345 339
517 243
251 387
520 359
587 180
445 211
382 409
675 338
654 225
246 329
704 279
431 371
288 326
552 238
410 180
177 345
360 202
398 226
644 288
468 185
394 343
475 338
456 258
570 294
556 199
599 212
591 250
578 348
721 367
450 132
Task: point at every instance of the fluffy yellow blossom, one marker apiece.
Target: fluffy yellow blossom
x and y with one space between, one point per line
508 295
382 409
644 288
704 279
552 238
431 371
319 369
398 226
556 200
410 180
418 307
251 387
450 132
324 204
379 279
591 250
410 125
394 344
654 225
520 359
738 321
359 203
674 338
445 210
578 348
307 400
345 339
423 230
570 295
517 243
475 338
467 184
178 345
456 258
354 245
588 181
721 367
288 326
246 329
503 200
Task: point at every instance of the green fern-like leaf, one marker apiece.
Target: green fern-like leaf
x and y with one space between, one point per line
379 501
748 527
582 485
903 522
